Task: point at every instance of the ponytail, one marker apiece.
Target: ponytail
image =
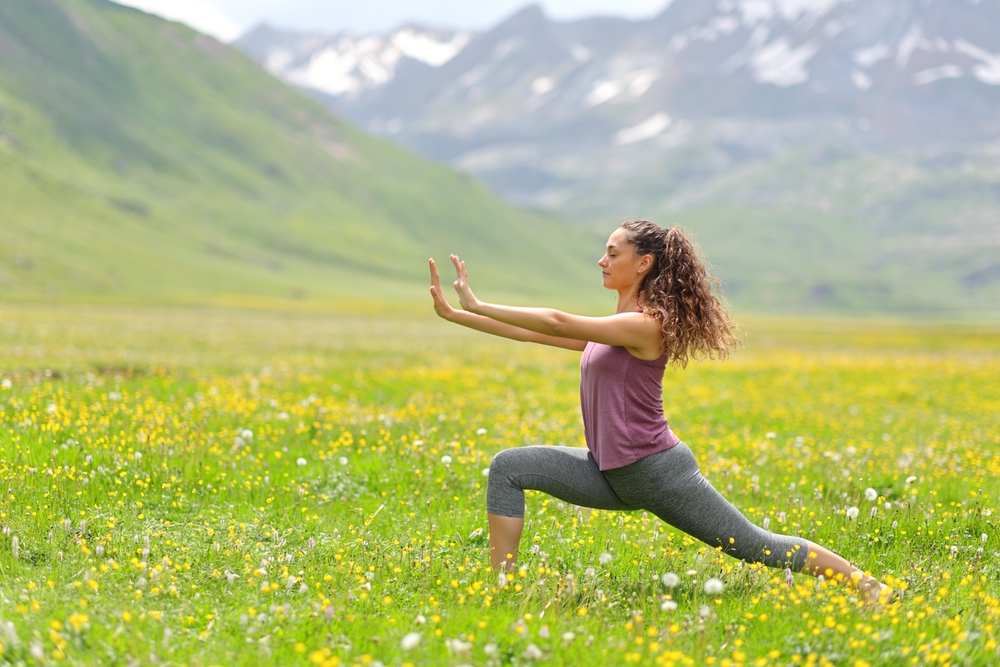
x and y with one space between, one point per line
678 292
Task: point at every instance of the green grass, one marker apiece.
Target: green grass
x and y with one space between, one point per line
161 465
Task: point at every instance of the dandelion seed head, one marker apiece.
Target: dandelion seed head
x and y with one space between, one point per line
670 579
852 513
668 605
410 641
871 495
713 586
605 558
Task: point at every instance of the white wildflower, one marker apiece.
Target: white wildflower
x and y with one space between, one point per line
705 611
770 435
343 460
911 479
480 431
871 495
36 651
670 579
568 637
532 652
446 460
491 649
486 472
6 383
604 558
300 461
420 620
852 513
713 586
410 641
458 647
668 605
502 579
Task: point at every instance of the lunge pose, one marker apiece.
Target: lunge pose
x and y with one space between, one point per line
667 313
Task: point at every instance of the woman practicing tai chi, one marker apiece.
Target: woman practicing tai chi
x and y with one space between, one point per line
666 312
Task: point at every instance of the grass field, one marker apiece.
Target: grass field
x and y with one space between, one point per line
241 488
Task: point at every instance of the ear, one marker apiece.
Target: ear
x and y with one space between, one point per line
645 262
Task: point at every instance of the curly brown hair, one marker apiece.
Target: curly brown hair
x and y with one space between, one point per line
678 292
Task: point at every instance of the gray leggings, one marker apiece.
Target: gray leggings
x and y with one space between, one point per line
668 484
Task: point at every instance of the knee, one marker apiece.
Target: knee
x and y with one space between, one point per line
504 466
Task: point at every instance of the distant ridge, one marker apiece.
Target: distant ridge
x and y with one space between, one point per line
831 154
144 162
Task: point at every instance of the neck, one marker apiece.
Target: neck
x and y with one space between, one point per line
628 300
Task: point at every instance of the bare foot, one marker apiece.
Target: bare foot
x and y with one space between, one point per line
871 590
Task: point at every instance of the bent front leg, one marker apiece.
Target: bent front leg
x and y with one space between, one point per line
567 473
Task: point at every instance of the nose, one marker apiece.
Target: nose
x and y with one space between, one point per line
603 261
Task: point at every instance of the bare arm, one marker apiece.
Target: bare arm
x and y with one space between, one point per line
491 326
635 331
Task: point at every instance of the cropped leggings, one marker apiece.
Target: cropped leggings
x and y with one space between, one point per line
668 484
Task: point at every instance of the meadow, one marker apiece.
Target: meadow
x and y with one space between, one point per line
208 487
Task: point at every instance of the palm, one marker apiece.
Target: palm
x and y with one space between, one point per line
465 296
441 305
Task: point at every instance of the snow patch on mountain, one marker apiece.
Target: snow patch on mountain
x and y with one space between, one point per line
782 64
988 69
426 49
347 64
932 74
647 129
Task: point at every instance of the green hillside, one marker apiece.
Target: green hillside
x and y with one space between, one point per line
143 162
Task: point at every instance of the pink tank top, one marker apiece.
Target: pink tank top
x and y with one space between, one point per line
622 402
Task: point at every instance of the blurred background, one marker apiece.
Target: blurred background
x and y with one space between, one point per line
832 157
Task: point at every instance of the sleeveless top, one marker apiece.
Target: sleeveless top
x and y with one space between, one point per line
621 398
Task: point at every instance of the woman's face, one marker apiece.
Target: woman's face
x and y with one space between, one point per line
620 266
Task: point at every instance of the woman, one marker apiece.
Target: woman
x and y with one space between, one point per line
666 311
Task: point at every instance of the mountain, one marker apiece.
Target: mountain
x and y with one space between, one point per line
144 162
830 154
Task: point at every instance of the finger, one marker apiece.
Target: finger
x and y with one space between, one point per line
465 273
458 265
435 278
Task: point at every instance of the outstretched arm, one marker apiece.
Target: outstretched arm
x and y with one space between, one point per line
490 326
635 331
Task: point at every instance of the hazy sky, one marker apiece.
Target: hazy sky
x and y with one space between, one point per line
227 19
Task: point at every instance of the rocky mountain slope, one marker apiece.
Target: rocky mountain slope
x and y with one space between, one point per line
873 125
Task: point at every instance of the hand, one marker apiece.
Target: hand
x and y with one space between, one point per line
466 298
441 305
